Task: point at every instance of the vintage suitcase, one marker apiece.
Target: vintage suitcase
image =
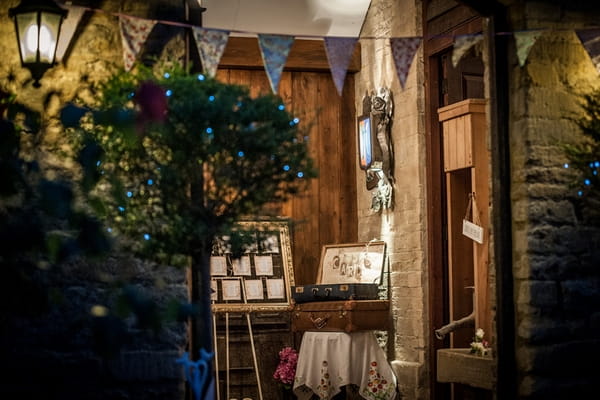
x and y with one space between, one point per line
347 316
333 292
351 271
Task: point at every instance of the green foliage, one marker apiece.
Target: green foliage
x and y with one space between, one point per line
584 157
40 226
181 157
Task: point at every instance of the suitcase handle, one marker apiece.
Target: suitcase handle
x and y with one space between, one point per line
319 322
327 291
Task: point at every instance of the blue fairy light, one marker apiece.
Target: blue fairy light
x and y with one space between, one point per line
211 98
150 182
98 163
129 194
597 164
130 95
296 120
209 130
291 123
587 182
579 193
300 174
146 236
240 153
281 107
566 165
169 92
201 77
595 172
286 167
121 208
109 230
591 165
167 75
239 104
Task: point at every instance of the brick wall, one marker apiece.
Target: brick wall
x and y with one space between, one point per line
403 228
555 254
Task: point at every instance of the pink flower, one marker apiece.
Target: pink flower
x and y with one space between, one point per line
286 370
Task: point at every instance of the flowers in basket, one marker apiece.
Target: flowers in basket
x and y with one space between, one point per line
479 346
286 370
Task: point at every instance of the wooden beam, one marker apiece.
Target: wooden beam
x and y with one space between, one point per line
305 55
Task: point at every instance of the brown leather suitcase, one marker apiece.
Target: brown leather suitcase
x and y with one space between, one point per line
343 316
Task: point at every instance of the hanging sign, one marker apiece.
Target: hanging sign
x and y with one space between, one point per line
471 229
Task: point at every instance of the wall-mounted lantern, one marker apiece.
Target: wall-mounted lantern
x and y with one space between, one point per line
37 24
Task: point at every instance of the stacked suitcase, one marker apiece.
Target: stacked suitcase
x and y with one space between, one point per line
346 296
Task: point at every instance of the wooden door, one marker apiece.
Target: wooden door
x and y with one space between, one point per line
326 212
443 20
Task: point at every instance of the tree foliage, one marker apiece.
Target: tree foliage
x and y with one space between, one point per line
181 157
584 157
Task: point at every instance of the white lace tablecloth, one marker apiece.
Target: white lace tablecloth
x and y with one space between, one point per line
329 360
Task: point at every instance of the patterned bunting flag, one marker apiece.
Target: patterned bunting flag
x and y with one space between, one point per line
211 45
275 50
339 52
524 42
67 29
590 38
403 51
134 32
462 44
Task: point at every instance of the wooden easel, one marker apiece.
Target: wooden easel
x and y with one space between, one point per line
254 359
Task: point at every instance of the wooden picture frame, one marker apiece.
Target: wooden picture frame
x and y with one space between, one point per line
352 263
270 238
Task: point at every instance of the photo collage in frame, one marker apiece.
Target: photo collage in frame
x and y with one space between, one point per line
260 277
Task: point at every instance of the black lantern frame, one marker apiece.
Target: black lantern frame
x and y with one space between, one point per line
37 25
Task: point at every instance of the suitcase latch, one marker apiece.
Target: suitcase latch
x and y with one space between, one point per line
319 322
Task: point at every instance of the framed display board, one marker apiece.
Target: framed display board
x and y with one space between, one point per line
352 263
260 278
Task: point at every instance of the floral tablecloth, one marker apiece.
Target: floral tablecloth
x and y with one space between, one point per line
329 360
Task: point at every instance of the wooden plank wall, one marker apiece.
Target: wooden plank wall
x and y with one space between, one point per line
326 212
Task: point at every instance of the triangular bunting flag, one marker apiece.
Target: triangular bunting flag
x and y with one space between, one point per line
590 38
462 44
339 52
134 32
525 41
403 51
211 45
275 50
67 29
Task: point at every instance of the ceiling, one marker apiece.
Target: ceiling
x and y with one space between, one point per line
300 18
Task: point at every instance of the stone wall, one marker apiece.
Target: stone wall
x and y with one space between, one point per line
55 355
555 253
403 228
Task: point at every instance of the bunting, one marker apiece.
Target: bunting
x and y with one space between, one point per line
275 50
462 44
524 42
403 52
134 32
590 39
339 51
211 45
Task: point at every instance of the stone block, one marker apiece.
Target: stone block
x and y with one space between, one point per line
537 293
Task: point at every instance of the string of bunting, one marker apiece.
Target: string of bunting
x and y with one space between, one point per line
275 48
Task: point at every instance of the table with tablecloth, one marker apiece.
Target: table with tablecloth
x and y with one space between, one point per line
329 360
